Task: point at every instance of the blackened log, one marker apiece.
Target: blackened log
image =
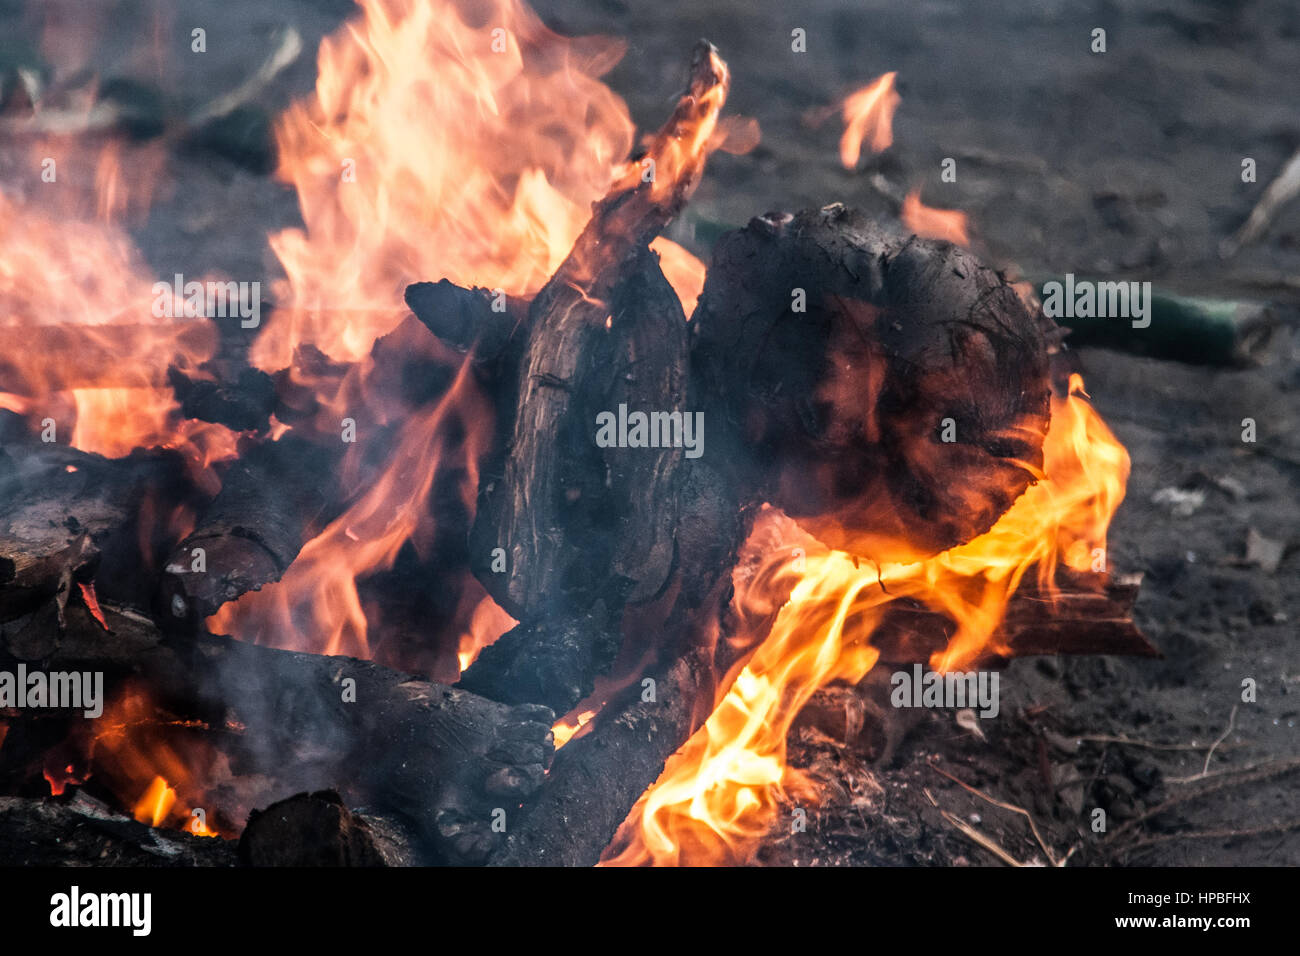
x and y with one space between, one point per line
271 499
36 570
631 738
598 777
82 831
890 393
552 661
442 758
245 404
552 475
466 318
603 523
318 829
104 517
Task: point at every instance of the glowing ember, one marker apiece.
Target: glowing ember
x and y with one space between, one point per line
718 795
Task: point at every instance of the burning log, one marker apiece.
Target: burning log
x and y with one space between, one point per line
467 318
606 314
443 759
1089 614
244 405
83 831
69 516
270 499
584 529
632 738
890 393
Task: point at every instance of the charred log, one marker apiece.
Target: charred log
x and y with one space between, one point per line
245 404
441 758
318 829
890 393
606 329
45 832
553 662
270 499
469 318
67 516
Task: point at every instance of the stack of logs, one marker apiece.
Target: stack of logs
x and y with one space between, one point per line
823 354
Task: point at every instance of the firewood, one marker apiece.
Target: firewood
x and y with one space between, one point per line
607 303
245 404
1089 614
632 737
469 318
64 510
890 393
553 662
270 499
318 829
447 761
82 831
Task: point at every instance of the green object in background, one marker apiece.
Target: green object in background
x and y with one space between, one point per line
1184 328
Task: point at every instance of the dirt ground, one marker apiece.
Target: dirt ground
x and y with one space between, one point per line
1121 165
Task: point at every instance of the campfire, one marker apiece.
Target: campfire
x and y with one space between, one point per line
499 528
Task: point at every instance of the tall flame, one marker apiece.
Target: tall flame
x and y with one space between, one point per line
445 139
718 795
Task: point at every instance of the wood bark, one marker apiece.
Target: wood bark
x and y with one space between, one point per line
270 500
891 393
607 303
442 758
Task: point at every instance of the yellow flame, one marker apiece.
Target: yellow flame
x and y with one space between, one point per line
719 794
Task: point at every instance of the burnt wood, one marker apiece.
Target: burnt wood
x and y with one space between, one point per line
843 355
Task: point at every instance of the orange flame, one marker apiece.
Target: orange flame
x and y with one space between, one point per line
156 804
95 355
444 140
928 223
719 794
151 762
869 118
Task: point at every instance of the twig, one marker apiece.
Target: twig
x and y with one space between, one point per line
1279 192
1228 780
1051 858
1284 826
285 53
975 836
1205 770
1131 742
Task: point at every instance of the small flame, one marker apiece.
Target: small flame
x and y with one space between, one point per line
869 119
151 762
718 795
684 272
565 730
486 624
928 223
156 804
